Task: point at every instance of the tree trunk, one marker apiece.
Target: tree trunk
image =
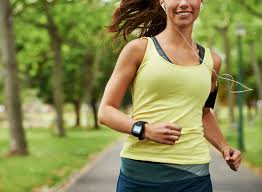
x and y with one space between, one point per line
14 112
57 76
255 66
258 76
230 97
94 109
87 78
77 107
91 67
93 86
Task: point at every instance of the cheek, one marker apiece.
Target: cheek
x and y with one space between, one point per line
171 6
196 9
196 14
197 6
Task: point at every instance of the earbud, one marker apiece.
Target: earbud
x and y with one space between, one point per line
201 5
163 6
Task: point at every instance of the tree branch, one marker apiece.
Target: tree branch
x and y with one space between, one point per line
34 22
250 9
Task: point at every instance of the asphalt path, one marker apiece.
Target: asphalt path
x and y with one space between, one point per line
101 175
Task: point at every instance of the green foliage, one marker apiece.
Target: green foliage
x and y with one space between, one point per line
81 27
217 15
83 36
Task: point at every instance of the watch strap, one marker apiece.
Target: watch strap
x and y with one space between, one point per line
141 134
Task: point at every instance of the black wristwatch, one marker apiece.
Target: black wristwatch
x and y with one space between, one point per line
138 129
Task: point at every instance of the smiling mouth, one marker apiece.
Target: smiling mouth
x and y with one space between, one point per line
183 13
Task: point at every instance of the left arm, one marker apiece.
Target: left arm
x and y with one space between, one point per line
212 131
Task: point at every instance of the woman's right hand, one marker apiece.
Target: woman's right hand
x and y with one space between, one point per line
164 133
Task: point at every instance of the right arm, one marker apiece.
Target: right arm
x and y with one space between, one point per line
124 73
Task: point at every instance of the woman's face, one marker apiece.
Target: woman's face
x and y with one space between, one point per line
182 13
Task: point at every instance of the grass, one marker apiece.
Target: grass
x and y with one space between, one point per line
51 159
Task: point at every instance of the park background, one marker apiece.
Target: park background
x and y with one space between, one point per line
56 57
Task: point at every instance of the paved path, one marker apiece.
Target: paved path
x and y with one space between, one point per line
102 176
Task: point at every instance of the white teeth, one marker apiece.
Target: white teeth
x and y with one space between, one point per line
183 13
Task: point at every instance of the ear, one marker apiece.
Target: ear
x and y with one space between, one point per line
163 6
162 3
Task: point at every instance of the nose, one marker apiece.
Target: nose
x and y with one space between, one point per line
183 4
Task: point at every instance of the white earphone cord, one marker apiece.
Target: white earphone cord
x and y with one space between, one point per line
218 76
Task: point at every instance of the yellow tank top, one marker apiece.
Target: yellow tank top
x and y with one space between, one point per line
166 92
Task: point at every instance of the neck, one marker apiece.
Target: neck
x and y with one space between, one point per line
173 37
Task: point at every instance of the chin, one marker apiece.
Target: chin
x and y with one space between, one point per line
183 24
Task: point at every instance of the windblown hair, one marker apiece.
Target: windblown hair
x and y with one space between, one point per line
145 15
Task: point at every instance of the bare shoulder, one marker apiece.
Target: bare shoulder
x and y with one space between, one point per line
124 72
139 43
135 49
216 60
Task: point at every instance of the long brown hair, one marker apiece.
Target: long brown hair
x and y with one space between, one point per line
145 15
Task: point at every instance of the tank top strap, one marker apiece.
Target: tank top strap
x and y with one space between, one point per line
209 59
148 53
149 41
143 37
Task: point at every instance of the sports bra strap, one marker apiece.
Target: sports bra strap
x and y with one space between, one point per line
163 54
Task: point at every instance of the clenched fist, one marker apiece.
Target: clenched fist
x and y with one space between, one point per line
232 156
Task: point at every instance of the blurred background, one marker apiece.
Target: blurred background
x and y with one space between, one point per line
56 58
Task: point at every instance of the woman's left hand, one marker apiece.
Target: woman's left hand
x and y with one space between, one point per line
232 156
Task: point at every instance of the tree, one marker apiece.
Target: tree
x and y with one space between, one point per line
80 49
45 9
18 141
57 77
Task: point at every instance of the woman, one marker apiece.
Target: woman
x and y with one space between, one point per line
173 86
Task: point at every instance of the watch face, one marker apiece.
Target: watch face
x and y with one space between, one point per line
137 129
